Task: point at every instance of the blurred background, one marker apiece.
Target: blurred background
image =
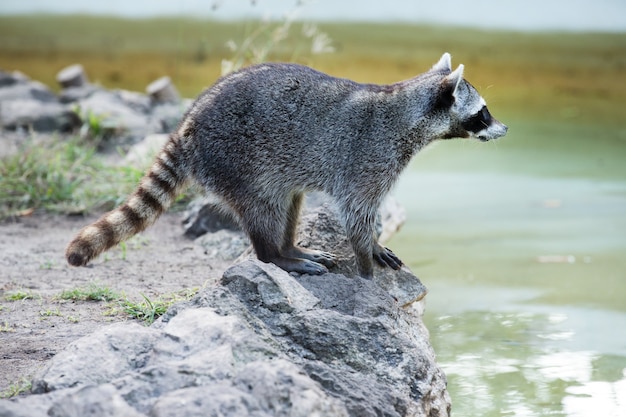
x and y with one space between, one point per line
521 241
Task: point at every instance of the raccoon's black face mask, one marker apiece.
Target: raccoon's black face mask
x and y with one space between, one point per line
470 117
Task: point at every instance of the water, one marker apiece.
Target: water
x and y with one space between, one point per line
527 281
512 358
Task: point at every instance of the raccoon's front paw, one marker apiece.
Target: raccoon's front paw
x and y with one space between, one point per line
385 257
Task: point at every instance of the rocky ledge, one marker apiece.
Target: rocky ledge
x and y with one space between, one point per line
260 342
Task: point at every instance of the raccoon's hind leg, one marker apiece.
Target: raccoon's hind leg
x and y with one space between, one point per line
289 248
265 223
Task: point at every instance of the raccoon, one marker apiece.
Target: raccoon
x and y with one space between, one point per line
262 137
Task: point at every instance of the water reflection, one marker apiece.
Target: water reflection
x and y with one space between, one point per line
507 364
596 398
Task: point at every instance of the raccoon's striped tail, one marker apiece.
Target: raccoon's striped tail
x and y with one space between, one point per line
157 190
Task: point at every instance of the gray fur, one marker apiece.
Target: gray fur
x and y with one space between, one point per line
262 137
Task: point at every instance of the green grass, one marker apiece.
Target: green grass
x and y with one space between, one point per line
93 292
64 176
21 387
148 310
50 313
19 295
6 328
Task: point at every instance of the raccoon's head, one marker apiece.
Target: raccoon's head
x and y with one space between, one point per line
467 110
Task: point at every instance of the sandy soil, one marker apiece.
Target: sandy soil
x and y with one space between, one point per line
160 261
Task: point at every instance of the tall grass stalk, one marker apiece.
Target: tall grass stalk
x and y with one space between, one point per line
276 38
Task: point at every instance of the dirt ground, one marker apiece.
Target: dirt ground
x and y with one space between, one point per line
158 262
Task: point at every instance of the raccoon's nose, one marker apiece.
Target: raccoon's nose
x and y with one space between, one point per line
504 128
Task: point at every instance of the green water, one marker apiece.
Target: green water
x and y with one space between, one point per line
522 244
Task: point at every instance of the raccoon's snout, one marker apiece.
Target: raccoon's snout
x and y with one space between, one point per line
494 131
503 129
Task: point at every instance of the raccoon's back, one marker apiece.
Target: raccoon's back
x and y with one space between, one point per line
270 119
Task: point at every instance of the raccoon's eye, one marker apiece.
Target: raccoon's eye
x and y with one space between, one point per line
478 121
485 116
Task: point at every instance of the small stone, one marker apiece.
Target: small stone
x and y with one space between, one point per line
72 76
162 90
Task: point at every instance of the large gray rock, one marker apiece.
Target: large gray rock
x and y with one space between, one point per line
198 362
260 342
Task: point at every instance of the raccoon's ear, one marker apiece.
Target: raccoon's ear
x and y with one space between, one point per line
453 79
450 83
444 64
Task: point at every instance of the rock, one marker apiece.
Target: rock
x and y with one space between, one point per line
38 405
73 94
205 218
119 348
261 342
142 154
163 91
93 401
26 90
129 114
319 224
10 78
38 115
125 116
113 113
206 215
27 105
277 290
165 117
392 217
72 76
137 101
225 244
